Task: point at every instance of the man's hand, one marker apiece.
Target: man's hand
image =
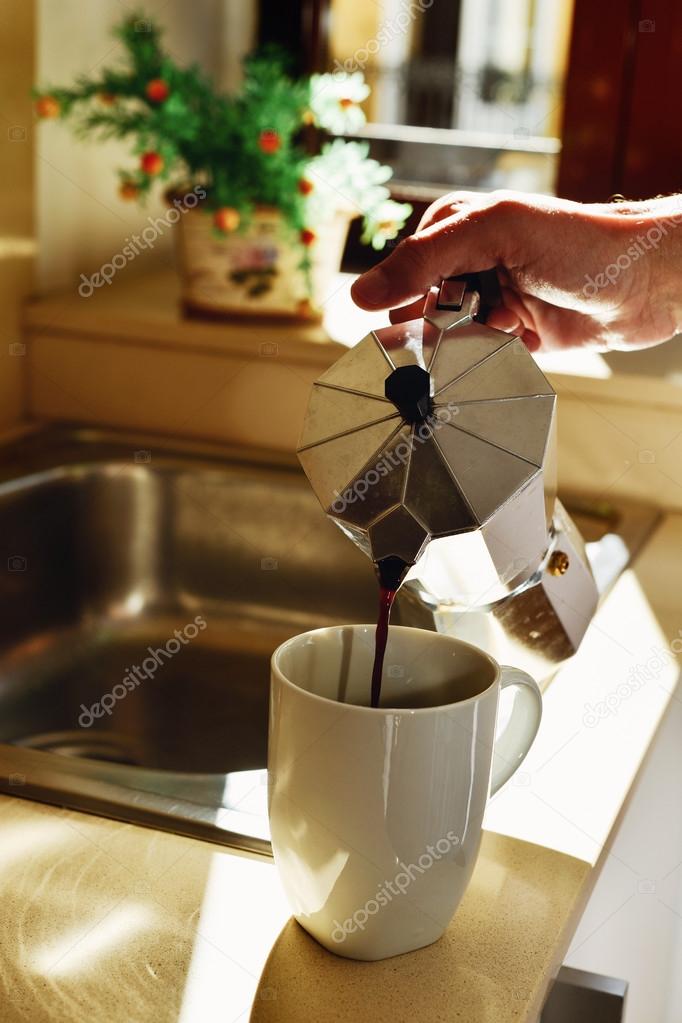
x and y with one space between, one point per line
603 275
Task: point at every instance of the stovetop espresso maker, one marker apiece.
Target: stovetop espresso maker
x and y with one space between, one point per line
432 445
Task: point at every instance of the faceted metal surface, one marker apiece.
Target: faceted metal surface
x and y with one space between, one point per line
361 369
398 534
486 475
488 436
332 413
404 344
535 627
333 464
473 345
527 424
363 502
504 369
439 503
485 565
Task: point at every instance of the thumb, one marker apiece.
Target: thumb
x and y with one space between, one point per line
463 243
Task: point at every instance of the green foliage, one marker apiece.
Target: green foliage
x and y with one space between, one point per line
245 150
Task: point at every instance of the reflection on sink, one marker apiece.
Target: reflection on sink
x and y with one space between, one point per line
143 600
204 709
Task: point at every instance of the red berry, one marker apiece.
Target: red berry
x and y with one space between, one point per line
305 187
226 219
308 236
157 90
151 163
269 141
128 190
48 106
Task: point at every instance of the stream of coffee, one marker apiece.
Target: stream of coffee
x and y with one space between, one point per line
390 571
386 598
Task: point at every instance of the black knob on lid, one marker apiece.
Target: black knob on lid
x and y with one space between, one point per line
409 388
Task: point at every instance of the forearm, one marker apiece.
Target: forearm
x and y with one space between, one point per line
665 216
642 254
655 231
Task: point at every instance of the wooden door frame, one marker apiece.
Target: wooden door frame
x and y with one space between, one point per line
622 108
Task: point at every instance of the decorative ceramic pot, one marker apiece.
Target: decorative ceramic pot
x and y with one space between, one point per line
257 271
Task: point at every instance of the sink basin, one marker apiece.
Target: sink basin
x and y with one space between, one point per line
145 588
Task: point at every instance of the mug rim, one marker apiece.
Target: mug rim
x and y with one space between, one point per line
276 670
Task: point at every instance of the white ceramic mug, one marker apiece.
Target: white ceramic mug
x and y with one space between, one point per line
375 813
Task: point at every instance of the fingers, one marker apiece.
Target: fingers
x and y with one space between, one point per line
531 340
509 320
515 317
516 306
467 241
450 204
408 312
503 318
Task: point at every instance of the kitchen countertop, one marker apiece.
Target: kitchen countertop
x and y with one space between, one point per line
103 921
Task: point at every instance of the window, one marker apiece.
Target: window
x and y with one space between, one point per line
465 94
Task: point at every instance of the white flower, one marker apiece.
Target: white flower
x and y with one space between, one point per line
344 176
345 169
335 101
384 222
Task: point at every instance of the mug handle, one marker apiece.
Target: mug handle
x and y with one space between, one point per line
512 745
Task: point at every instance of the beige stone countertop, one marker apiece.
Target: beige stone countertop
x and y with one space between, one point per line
111 923
104 921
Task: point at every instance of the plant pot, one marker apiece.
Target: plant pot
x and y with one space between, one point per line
256 271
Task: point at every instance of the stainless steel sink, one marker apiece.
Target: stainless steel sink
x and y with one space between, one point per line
114 547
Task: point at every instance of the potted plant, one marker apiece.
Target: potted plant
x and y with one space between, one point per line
260 194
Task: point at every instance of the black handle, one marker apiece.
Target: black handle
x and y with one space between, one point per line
487 285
